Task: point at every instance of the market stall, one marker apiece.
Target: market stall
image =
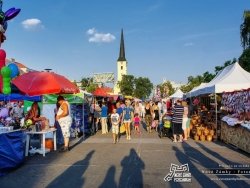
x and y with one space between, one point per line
235 125
177 95
225 81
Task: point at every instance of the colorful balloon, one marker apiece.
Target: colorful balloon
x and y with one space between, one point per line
2 54
6 90
9 11
14 70
12 14
6 72
2 17
4 112
5 25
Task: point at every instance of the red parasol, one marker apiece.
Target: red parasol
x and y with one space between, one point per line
100 92
40 83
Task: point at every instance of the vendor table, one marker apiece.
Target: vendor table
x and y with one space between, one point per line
42 133
11 151
236 135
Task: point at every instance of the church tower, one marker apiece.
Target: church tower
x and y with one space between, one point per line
121 65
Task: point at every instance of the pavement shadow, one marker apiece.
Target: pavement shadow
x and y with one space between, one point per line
185 158
227 162
143 125
72 177
196 156
131 175
109 180
82 139
232 147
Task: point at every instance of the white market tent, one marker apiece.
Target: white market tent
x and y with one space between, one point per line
177 94
192 92
232 77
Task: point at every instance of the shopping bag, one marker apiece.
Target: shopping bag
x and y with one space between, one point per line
153 124
122 128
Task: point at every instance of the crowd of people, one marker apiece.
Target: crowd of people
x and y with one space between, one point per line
131 114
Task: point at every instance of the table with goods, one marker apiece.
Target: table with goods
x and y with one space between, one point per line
41 128
235 126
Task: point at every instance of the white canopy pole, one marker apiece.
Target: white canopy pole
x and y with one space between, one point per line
216 115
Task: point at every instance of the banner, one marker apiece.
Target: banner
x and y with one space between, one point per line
71 98
103 77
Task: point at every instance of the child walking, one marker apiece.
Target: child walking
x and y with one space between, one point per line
137 121
115 118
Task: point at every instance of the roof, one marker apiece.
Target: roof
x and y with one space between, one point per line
20 65
232 77
122 49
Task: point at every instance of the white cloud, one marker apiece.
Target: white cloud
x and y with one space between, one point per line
91 31
32 24
99 37
189 44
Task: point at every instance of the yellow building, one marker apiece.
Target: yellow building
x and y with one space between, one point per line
121 65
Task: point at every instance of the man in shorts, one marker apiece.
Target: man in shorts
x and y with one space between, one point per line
115 119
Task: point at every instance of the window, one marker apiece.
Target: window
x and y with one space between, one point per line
121 67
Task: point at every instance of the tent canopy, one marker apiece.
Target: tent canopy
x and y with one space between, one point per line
192 92
177 94
86 93
100 93
232 77
19 97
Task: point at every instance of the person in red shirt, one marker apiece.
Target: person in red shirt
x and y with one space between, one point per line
168 104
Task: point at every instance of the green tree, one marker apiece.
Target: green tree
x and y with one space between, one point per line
207 77
74 82
245 30
92 87
126 85
244 60
143 87
85 83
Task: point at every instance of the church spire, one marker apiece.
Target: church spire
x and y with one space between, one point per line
122 49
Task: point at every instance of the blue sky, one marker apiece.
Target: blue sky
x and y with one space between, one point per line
163 38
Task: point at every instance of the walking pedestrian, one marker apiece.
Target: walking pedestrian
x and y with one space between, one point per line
156 115
178 111
115 118
104 115
119 111
127 118
185 120
137 122
148 117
